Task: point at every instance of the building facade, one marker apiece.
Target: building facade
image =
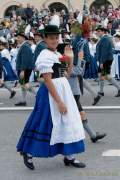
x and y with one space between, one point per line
5 5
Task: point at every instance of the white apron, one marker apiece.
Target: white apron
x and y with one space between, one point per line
67 128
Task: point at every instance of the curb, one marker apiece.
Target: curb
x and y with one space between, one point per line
90 108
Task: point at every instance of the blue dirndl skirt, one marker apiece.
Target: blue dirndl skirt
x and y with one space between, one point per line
9 74
92 71
35 139
119 65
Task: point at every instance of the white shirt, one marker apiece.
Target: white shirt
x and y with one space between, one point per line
117 46
6 54
46 60
92 48
33 46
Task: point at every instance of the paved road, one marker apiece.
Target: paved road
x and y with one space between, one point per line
98 167
87 99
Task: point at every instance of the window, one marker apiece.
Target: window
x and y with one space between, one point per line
98 4
58 7
9 10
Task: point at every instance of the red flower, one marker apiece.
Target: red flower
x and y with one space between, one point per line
64 59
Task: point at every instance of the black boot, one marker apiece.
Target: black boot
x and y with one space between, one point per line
21 104
101 93
118 94
28 161
15 85
98 137
74 163
96 100
13 93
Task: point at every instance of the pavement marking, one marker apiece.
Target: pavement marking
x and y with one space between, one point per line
15 108
85 108
1 103
101 107
111 153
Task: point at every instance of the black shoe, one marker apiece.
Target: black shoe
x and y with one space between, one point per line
118 94
28 161
101 93
98 137
74 163
13 93
21 104
96 100
15 85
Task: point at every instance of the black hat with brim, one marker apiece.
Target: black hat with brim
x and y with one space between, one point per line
51 29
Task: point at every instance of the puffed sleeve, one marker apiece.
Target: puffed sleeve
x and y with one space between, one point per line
44 63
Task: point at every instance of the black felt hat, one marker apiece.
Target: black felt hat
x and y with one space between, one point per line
51 29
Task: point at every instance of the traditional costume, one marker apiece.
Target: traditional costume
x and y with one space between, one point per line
115 68
48 132
104 52
92 71
9 74
6 71
1 68
13 54
24 64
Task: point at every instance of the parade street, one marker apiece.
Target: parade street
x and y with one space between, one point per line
60 90
102 159
108 100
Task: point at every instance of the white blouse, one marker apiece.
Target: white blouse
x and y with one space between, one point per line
46 60
117 46
92 48
6 54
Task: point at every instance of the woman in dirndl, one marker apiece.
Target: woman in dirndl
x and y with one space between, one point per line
1 69
115 69
93 67
54 127
7 71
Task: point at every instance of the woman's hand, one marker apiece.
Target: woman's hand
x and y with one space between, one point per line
62 108
22 75
101 66
69 52
81 55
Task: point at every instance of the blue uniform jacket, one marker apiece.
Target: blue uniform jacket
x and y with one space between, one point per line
104 49
25 58
41 46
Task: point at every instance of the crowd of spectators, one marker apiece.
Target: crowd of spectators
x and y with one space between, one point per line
30 17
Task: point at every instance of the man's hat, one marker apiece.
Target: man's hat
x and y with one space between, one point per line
117 35
22 35
101 28
51 29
